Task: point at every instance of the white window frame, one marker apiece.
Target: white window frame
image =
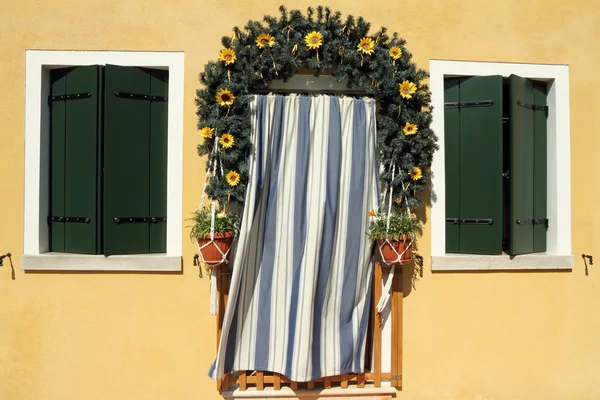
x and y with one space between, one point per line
36 255
558 236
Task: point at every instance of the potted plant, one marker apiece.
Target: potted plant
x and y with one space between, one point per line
402 227
226 227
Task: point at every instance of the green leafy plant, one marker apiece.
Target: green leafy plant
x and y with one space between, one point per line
402 223
321 40
224 222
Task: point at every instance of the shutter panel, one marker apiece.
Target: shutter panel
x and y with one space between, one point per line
522 165
539 167
159 86
481 165
452 155
131 144
74 160
58 87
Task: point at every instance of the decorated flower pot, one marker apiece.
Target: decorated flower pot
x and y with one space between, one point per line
210 252
401 246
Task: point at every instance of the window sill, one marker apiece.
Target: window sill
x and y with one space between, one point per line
474 262
82 262
368 392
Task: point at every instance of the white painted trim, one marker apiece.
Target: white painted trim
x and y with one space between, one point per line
80 262
38 64
368 392
559 153
476 262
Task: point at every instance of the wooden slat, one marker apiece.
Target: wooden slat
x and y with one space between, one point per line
242 381
397 328
293 385
220 315
260 382
344 381
394 329
327 382
360 381
276 382
310 385
377 327
399 316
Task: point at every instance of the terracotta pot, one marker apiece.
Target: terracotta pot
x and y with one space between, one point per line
210 253
388 254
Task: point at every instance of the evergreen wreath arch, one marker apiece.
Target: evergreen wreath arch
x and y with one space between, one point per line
275 48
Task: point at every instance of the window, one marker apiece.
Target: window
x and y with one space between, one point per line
557 236
108 153
98 167
495 150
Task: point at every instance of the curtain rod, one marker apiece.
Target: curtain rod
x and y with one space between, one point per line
351 92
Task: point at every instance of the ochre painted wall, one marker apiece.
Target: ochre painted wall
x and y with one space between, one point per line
522 335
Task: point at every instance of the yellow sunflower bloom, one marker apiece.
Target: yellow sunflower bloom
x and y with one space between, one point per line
225 97
314 40
416 174
207 132
366 46
395 52
265 40
410 129
407 89
227 56
233 178
226 141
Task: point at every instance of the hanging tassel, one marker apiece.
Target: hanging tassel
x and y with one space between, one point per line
229 197
228 75
214 302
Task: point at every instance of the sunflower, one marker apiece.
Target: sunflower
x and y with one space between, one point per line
225 97
395 53
227 141
410 129
227 56
314 40
265 40
407 89
207 132
372 213
233 178
416 174
366 46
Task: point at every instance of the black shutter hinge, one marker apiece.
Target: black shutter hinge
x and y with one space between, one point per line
85 220
532 222
138 220
138 96
483 103
472 221
74 96
533 107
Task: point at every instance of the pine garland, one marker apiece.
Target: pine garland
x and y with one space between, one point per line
248 64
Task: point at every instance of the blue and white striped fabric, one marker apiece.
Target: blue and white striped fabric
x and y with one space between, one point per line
301 285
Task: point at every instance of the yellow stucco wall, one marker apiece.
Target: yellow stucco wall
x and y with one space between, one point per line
525 335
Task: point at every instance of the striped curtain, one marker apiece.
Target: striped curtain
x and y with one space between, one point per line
301 284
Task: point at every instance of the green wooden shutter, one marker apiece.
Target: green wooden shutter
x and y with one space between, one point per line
528 166
452 156
74 136
135 152
481 165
